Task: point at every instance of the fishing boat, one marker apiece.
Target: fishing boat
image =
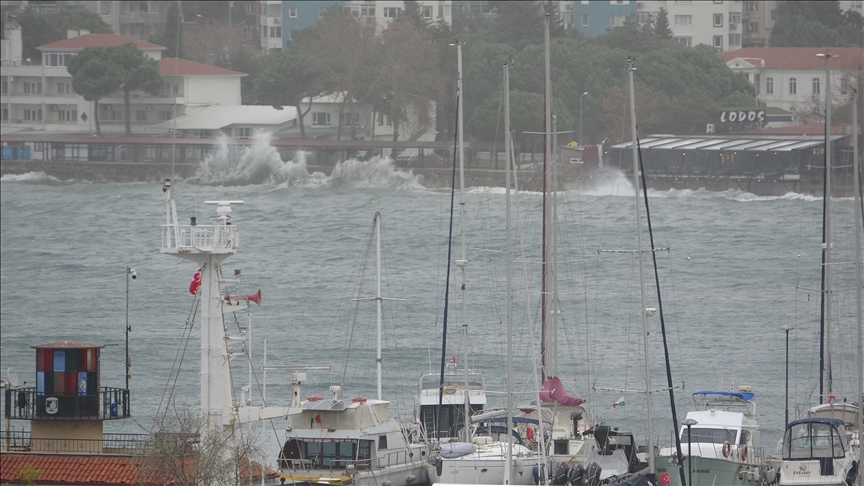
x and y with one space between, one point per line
818 450
341 441
722 441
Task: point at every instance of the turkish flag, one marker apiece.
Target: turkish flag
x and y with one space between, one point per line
318 418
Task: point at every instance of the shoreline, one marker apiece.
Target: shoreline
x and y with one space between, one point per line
529 179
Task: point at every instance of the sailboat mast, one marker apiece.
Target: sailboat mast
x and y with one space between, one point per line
643 311
856 162
547 220
378 303
509 300
462 263
825 380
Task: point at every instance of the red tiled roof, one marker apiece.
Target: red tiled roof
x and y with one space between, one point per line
797 57
173 66
100 40
93 469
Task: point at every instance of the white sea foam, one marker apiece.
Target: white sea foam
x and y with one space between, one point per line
29 177
260 163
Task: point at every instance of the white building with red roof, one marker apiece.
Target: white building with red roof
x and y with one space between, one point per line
37 94
793 78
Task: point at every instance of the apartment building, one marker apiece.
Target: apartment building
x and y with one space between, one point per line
136 19
39 95
793 78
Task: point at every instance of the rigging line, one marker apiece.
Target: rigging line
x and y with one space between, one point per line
361 276
447 278
660 306
190 323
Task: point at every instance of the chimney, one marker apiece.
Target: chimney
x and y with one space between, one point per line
70 33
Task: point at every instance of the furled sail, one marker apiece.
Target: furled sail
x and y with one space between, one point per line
553 389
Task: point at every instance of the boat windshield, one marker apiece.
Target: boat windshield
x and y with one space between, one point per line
709 436
812 440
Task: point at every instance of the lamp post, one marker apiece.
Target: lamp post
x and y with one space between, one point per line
130 272
689 423
787 329
580 116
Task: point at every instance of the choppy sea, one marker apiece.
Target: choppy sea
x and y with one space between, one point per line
733 269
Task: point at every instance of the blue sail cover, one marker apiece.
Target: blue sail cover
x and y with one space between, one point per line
745 396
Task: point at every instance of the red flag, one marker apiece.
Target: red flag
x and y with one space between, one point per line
318 418
196 281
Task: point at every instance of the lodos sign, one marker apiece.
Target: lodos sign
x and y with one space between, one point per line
742 116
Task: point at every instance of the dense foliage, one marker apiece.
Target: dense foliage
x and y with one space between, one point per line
100 71
39 28
816 24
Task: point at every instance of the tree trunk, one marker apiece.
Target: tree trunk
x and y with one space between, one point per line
96 116
128 114
339 126
300 116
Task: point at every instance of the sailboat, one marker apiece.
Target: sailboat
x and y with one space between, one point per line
351 441
818 450
492 454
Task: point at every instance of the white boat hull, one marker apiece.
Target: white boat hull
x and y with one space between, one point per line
808 473
709 471
486 466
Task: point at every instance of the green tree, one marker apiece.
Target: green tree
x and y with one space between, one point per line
95 76
522 23
140 72
39 29
287 81
661 25
816 24
347 54
171 34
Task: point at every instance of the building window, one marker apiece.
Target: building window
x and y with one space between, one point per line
751 6
32 114
718 41
243 132
31 87
276 32
752 27
426 13
616 20
584 20
367 10
104 8
4 87
769 86
292 12
345 119
793 86
718 20
64 88
816 86
383 120
643 18
67 115
391 12
734 17
619 2
844 85
140 115
734 39
683 20
684 41
320 119
249 8
5 114
165 115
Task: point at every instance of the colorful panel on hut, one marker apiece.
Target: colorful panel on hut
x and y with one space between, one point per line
72 360
59 383
82 382
70 383
40 381
44 360
59 360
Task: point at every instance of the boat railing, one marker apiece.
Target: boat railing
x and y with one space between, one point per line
299 464
737 454
124 444
200 237
389 459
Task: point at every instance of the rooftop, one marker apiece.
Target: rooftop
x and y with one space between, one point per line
100 40
797 57
67 345
173 66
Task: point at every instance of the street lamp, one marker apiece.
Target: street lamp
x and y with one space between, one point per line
580 115
130 272
689 423
787 329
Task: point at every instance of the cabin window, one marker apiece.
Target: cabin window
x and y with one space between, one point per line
709 436
330 454
745 437
811 440
561 447
382 442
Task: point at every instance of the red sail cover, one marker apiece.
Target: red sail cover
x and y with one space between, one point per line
553 389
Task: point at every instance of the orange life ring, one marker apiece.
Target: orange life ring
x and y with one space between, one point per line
314 398
744 452
727 449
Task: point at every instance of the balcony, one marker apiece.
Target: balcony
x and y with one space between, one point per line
28 404
22 441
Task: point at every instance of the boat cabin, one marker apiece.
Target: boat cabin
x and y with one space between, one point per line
814 439
452 408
